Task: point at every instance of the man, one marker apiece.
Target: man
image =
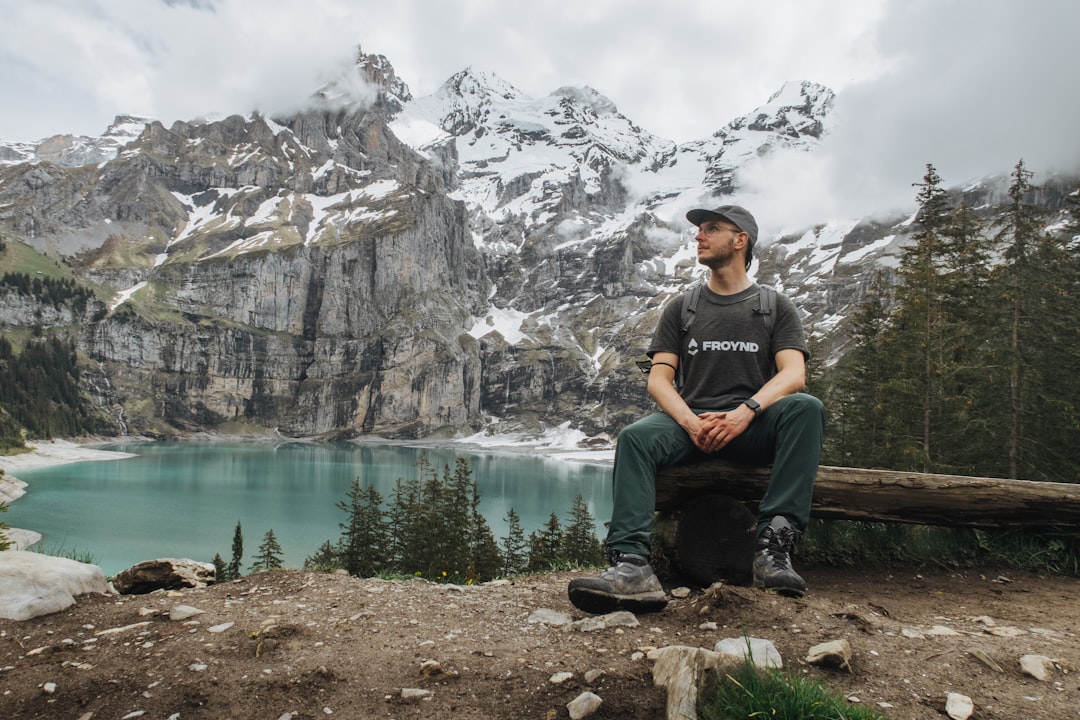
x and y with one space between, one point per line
738 396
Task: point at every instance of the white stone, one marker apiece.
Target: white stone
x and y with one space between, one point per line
21 539
183 612
560 677
680 669
32 584
583 705
415 694
547 616
1039 667
832 654
220 628
763 653
959 707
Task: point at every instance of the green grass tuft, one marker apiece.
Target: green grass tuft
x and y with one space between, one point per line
774 695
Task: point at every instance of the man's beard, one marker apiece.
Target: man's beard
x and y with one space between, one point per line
721 258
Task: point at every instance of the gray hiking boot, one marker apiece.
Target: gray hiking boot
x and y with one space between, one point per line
772 561
629 584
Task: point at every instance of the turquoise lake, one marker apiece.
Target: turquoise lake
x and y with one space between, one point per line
184 499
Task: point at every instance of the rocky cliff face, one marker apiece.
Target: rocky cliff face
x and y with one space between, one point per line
402 266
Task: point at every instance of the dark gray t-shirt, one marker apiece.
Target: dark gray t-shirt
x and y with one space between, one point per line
727 354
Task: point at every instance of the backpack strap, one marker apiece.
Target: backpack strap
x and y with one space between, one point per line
689 306
767 306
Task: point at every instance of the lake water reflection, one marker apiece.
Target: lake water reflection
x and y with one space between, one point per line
184 499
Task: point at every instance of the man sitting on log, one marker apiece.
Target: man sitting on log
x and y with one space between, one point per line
740 366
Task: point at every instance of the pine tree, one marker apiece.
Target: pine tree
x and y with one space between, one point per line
545 545
237 553
268 556
859 401
326 559
221 570
1017 280
362 549
483 549
580 545
917 342
514 546
962 437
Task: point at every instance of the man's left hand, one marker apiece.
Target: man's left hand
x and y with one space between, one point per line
720 428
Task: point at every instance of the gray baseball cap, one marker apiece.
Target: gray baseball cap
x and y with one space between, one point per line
738 216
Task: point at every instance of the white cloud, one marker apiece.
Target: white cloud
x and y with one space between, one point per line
969 85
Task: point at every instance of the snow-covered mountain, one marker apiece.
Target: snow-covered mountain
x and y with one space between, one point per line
474 259
75 151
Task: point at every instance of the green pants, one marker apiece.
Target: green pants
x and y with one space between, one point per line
787 434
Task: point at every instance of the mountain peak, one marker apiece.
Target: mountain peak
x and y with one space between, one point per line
588 97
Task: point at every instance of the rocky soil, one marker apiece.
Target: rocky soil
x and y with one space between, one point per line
309 645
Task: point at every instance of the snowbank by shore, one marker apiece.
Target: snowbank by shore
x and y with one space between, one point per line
55 452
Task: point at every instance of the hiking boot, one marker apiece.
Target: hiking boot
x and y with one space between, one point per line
772 561
629 584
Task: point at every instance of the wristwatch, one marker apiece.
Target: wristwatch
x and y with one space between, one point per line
753 405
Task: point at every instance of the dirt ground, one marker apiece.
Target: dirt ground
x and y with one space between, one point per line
311 645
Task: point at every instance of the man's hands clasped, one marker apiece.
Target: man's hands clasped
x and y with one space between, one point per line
714 430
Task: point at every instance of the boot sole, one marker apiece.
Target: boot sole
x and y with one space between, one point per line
790 592
597 602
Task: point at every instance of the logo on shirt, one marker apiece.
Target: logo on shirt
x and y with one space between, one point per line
721 346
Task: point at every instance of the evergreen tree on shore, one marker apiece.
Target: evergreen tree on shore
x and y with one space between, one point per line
268 556
237 553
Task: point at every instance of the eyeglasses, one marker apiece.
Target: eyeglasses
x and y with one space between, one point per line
711 228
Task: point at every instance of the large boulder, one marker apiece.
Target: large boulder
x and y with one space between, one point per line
163 574
32 584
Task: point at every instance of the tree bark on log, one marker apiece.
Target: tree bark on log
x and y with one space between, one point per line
843 493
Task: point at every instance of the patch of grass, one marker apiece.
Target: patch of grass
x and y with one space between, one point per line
61 550
774 695
850 543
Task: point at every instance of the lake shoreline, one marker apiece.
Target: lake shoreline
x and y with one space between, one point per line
49 453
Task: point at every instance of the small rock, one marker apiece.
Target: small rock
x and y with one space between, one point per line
197 667
560 677
593 675
430 667
680 593
183 612
220 628
831 654
49 688
942 631
621 619
763 653
1005 631
983 657
547 616
912 633
708 626
415 694
959 707
1039 667
583 705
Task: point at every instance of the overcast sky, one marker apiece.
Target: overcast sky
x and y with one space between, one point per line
971 86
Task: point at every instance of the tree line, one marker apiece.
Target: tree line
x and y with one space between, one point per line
966 361
39 392
49 290
432 528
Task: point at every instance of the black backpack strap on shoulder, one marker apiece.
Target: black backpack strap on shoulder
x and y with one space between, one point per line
689 305
767 306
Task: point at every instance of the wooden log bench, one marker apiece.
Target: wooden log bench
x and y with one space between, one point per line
707 511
